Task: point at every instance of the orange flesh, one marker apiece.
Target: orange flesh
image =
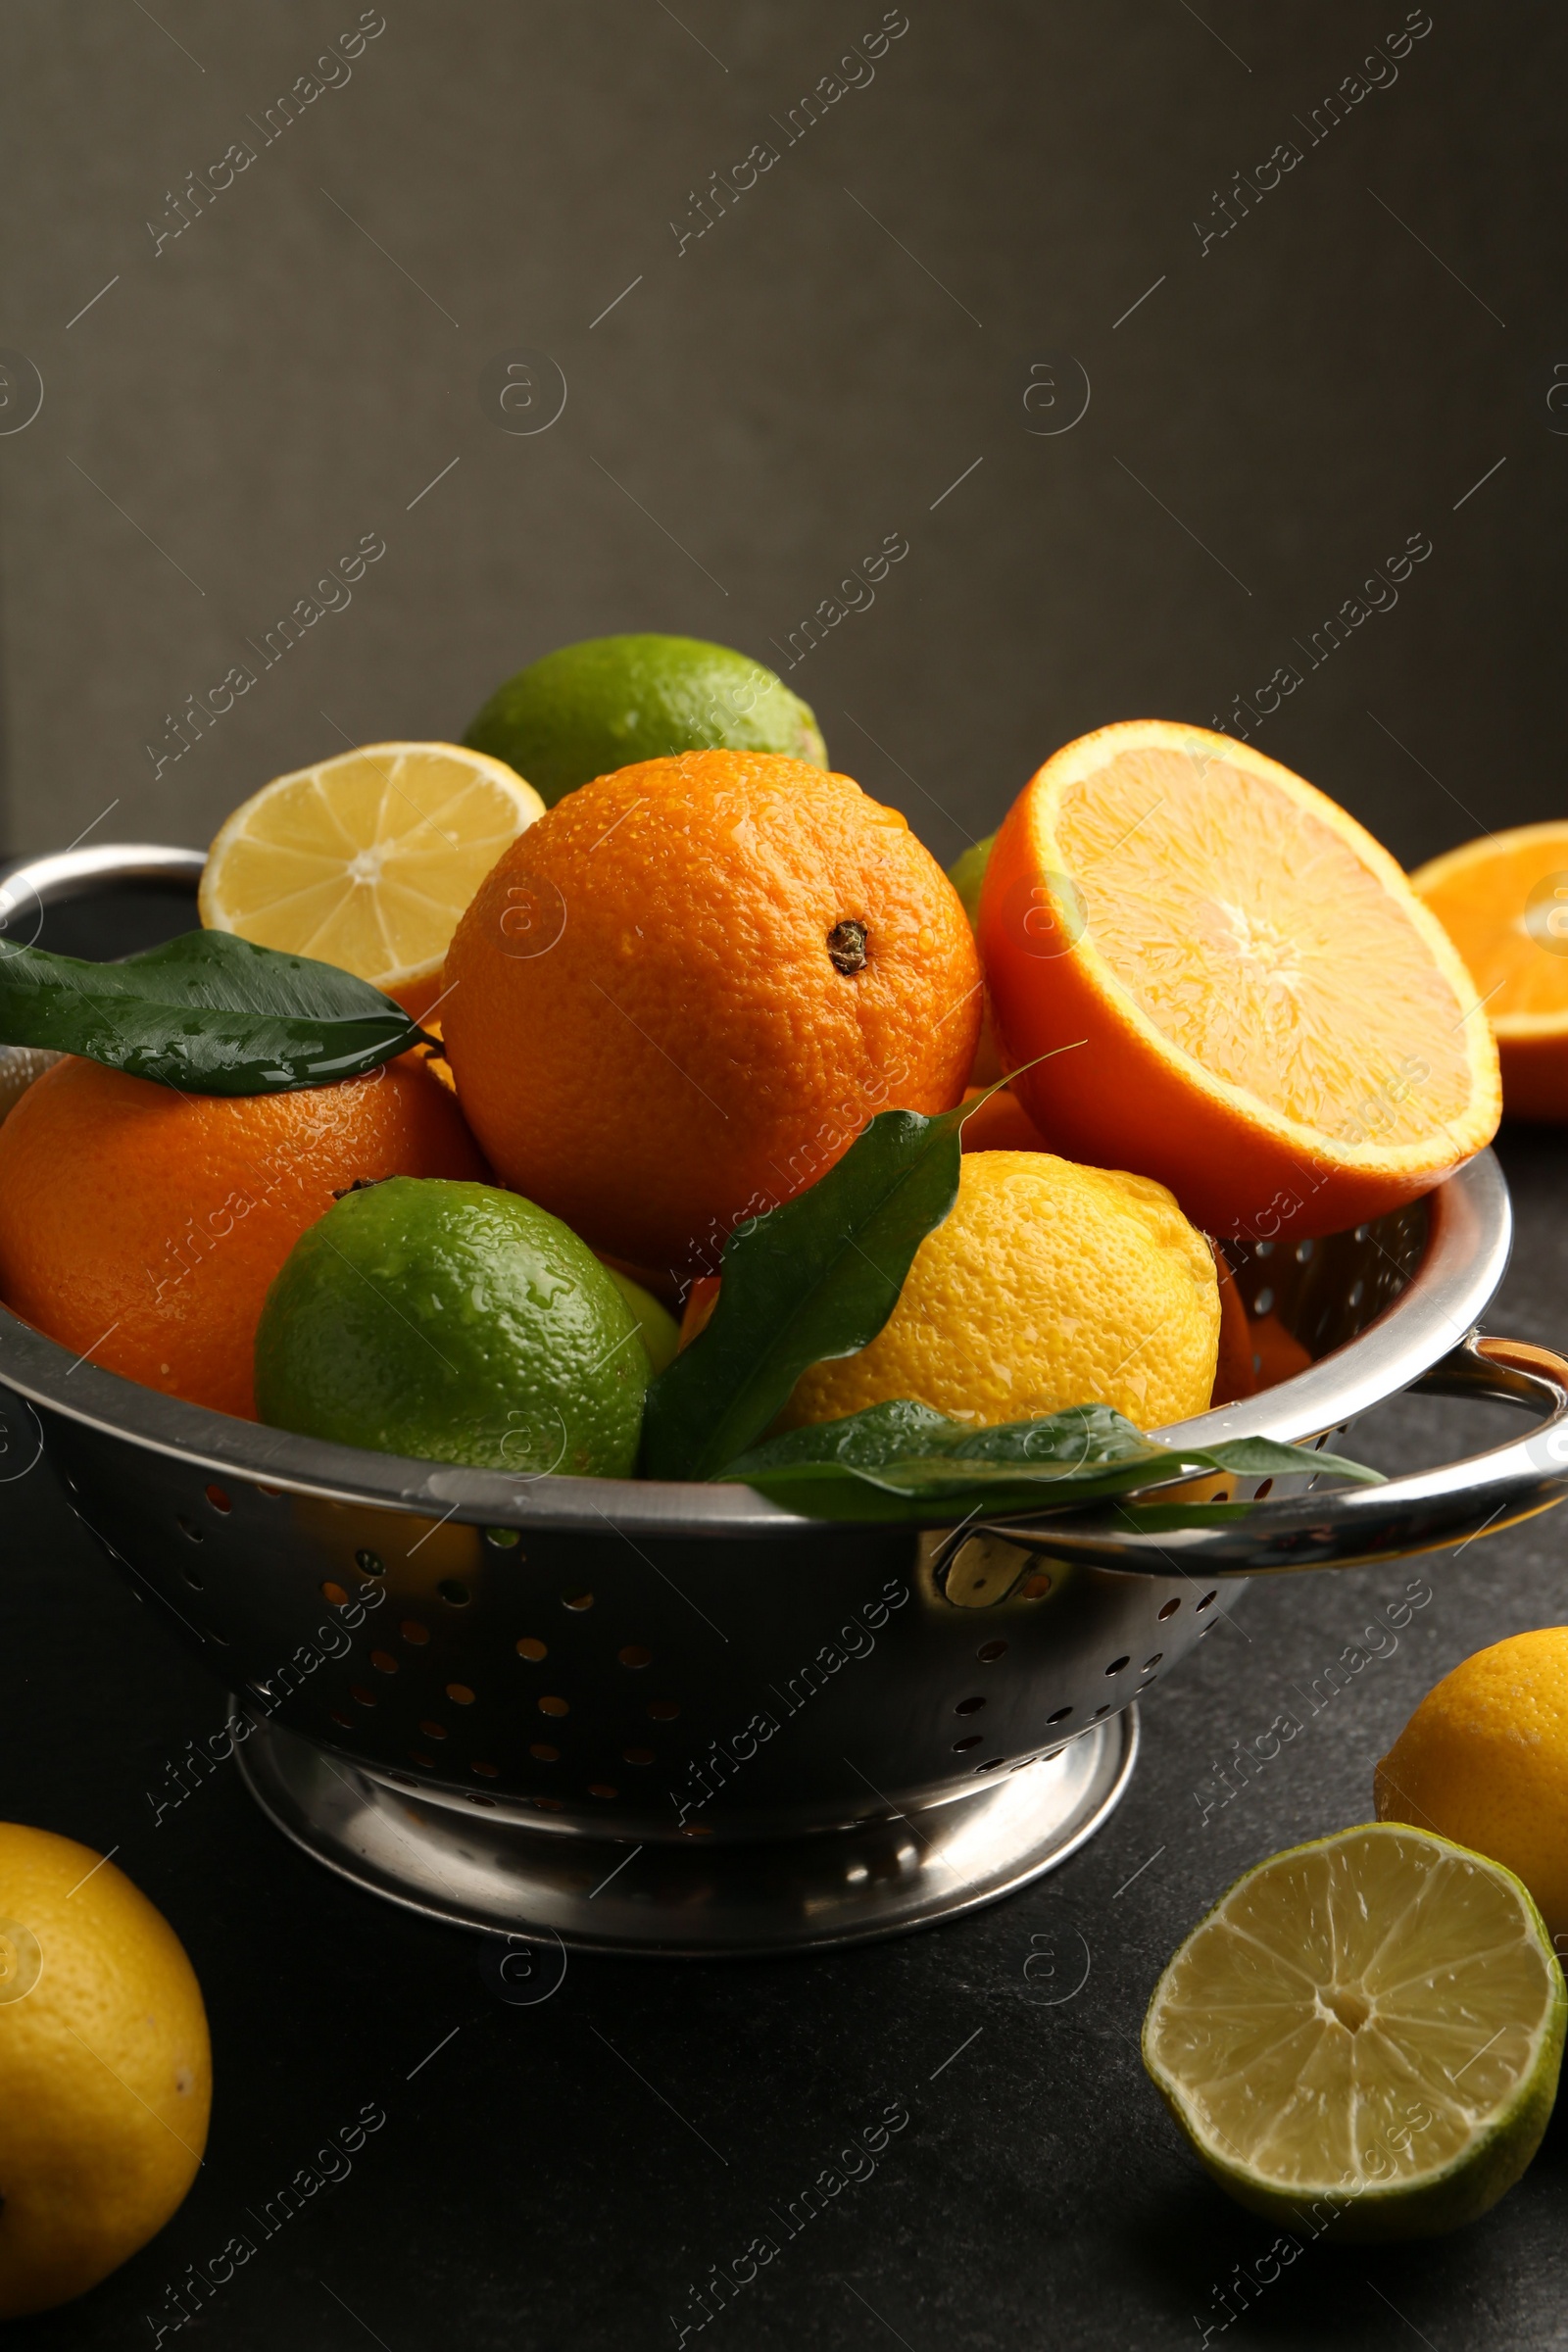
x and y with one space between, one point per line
1505 909
1251 935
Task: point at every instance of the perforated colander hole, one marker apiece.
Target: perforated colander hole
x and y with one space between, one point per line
365 1697
958 1746
551 1804
383 1661
552 1705
602 1789
476 1799
454 1594
697 1829
1036 1587
544 1753
416 1755
213 1635
1116 1665
338 1716
402 1778
273 1493
505 1539
1205 1602
1149 1664
663 1710
492 1772
1169 1610
577 1600
968 1706
1061 1716
638 1755
414 1631
335 1594
1265 1490
433 1730
990 1651
634 1655
219 1499
531 1648
459 1694
189 1530
994 1765
190 1577
1098 1711
370 1563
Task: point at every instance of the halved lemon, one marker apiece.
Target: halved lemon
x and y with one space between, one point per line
1504 902
1365 2034
1265 1016
366 861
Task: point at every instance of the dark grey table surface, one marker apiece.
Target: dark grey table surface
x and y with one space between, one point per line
532 2186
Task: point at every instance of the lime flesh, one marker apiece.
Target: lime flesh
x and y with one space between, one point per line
452 1322
1367 2032
589 708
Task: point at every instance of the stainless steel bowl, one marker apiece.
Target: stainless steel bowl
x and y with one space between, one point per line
679 1719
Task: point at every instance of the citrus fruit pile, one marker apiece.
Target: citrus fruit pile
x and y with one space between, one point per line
660 973
492 1056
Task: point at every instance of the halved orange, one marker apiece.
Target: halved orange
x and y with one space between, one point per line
1504 902
1263 1014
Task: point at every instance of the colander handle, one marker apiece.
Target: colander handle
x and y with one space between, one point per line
1360 1525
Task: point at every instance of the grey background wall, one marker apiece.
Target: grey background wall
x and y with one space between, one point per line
1002 196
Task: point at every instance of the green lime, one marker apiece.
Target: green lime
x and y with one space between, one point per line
967 876
1364 2034
592 707
661 1333
453 1323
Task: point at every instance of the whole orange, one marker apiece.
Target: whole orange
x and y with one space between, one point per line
679 997
141 1227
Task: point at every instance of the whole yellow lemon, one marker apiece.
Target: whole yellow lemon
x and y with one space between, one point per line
105 2074
1483 1760
1047 1285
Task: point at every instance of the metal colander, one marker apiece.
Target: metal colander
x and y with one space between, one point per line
680 1719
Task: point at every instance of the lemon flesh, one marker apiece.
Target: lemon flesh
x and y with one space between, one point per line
1366 2031
366 861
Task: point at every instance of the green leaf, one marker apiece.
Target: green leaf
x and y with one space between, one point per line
902 1460
207 1013
814 1278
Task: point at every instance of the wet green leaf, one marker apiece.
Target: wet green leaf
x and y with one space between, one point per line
207 1013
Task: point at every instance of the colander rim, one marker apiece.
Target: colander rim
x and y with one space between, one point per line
1469 1226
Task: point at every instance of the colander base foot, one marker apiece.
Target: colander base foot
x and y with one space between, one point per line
709 1898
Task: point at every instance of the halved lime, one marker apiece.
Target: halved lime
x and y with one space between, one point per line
1365 2033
